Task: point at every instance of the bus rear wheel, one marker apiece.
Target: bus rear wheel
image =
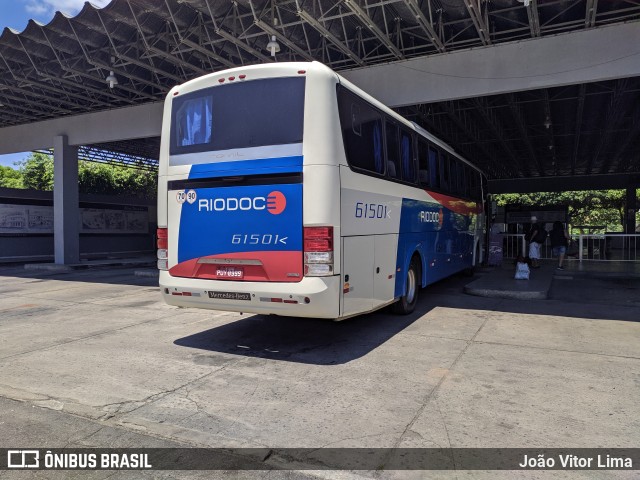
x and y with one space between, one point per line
408 301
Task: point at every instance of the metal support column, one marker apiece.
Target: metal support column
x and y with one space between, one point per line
631 204
66 210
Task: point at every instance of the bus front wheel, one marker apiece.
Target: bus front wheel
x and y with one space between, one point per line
407 302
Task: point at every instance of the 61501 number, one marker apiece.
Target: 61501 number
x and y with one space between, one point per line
258 239
371 210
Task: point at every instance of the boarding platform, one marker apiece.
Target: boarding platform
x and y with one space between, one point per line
499 282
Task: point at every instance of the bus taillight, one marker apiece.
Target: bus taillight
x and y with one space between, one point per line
163 245
318 251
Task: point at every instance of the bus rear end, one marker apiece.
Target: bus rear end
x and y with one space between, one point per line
231 229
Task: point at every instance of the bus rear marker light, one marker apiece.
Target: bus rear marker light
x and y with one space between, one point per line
318 251
162 235
276 300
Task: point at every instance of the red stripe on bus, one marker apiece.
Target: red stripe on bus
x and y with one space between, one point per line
282 266
457 205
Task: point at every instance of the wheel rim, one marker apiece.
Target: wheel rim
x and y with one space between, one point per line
411 285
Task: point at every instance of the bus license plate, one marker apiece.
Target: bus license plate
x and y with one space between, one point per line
229 272
230 295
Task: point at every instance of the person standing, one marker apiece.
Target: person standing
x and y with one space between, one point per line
537 236
559 242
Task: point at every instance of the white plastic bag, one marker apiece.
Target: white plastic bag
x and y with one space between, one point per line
522 271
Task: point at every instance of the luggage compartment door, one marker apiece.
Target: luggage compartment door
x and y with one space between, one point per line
384 273
357 274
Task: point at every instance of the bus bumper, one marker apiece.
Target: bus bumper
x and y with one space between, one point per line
314 297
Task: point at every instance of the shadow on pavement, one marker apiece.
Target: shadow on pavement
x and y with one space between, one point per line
323 342
303 340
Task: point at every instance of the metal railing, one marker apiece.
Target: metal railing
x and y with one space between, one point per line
618 247
513 245
604 247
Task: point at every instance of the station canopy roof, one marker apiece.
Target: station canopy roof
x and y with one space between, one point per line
58 69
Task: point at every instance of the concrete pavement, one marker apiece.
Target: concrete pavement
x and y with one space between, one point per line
96 351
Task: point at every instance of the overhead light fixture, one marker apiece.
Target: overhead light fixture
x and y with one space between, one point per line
273 46
526 2
547 122
111 79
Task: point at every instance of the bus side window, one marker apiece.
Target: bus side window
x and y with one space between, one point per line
407 157
434 175
423 164
393 150
378 156
475 185
444 172
361 128
454 175
458 179
467 180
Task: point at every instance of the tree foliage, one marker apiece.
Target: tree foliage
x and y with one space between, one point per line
36 172
10 178
588 207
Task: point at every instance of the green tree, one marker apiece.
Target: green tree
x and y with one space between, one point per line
10 177
97 178
135 181
36 172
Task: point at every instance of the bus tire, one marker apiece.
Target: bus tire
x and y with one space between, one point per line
407 302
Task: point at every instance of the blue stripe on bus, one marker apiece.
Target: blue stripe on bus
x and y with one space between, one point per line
209 230
247 167
444 248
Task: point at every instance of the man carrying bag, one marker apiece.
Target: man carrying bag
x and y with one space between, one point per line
537 236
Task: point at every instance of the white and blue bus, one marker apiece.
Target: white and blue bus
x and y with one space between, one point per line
285 189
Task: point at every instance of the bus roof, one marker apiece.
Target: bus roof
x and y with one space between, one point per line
264 70
271 70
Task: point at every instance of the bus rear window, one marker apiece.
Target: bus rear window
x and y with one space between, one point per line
239 115
193 126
